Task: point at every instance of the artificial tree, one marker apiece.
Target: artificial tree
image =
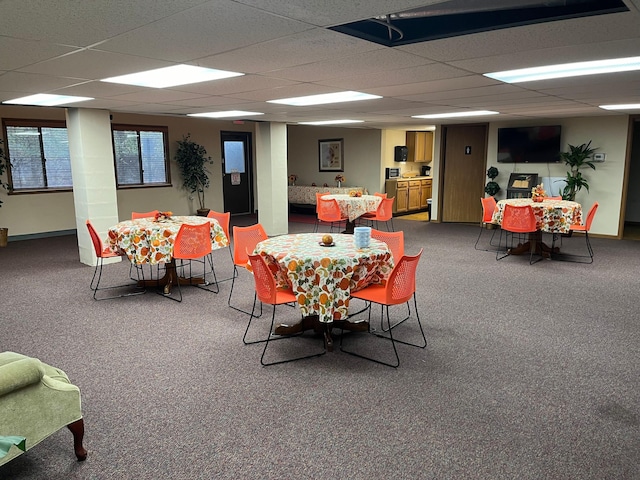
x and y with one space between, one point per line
576 158
192 160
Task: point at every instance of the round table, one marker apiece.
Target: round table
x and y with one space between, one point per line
354 207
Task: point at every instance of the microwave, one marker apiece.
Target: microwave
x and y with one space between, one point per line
391 173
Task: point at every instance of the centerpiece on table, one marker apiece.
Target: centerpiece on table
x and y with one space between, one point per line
355 193
538 193
292 179
339 179
162 216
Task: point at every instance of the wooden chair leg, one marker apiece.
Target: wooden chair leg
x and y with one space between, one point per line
77 429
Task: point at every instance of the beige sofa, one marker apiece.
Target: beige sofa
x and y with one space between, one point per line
37 400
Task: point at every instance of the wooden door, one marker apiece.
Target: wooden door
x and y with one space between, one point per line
464 165
414 195
402 197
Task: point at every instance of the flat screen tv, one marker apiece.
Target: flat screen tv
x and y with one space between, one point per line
529 144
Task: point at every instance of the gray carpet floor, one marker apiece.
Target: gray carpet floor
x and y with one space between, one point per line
531 372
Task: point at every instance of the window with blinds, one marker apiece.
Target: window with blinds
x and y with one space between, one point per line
40 160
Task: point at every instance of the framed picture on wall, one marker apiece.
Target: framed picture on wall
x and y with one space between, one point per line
331 155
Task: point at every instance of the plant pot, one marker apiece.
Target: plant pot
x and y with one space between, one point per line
202 212
4 236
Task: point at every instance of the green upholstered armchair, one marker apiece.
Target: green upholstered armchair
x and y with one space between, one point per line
37 400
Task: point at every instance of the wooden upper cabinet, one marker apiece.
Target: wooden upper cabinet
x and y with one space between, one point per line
420 146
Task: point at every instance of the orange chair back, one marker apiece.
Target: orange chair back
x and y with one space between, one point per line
590 215
318 195
381 195
223 219
328 210
245 240
401 284
192 241
385 209
137 215
266 288
95 239
558 197
488 207
394 240
519 219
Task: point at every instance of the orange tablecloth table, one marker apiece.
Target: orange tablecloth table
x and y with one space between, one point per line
323 277
148 241
354 207
552 216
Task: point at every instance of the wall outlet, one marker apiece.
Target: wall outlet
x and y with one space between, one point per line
599 157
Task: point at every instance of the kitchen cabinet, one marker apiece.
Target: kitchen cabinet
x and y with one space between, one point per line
420 146
425 192
410 194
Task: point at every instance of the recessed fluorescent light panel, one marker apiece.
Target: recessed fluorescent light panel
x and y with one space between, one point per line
47 100
227 114
566 70
622 106
172 76
325 98
331 122
476 113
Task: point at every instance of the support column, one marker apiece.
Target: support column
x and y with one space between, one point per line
271 174
93 174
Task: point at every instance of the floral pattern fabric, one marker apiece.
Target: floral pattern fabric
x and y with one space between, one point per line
148 241
306 195
354 207
553 216
322 278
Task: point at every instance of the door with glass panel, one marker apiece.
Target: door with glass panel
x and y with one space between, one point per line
237 177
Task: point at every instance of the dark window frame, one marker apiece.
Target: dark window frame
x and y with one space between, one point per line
167 161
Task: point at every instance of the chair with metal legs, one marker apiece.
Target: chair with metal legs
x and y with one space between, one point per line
488 207
584 228
518 221
245 240
399 288
193 245
103 253
223 219
267 292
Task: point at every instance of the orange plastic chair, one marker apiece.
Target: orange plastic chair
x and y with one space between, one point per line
558 197
584 228
137 215
245 240
381 195
395 241
399 288
488 207
329 212
102 253
267 292
193 245
223 219
517 220
384 213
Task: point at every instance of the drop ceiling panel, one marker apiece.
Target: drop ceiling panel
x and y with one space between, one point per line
247 83
448 84
27 83
16 53
81 22
467 93
297 49
203 31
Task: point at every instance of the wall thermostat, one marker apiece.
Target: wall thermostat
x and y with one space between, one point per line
598 157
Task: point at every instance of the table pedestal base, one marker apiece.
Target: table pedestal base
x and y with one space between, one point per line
170 278
312 322
534 245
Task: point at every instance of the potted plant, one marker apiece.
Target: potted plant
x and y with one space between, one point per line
492 187
4 166
576 158
192 160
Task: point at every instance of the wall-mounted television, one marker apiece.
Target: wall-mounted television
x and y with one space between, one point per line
529 144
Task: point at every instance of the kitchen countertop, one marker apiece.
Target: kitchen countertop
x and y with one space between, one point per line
411 178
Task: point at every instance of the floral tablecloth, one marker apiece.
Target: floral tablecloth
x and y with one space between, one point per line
321 277
148 241
354 207
306 195
553 216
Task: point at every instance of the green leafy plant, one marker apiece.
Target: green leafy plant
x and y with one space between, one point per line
4 166
192 160
576 158
492 187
